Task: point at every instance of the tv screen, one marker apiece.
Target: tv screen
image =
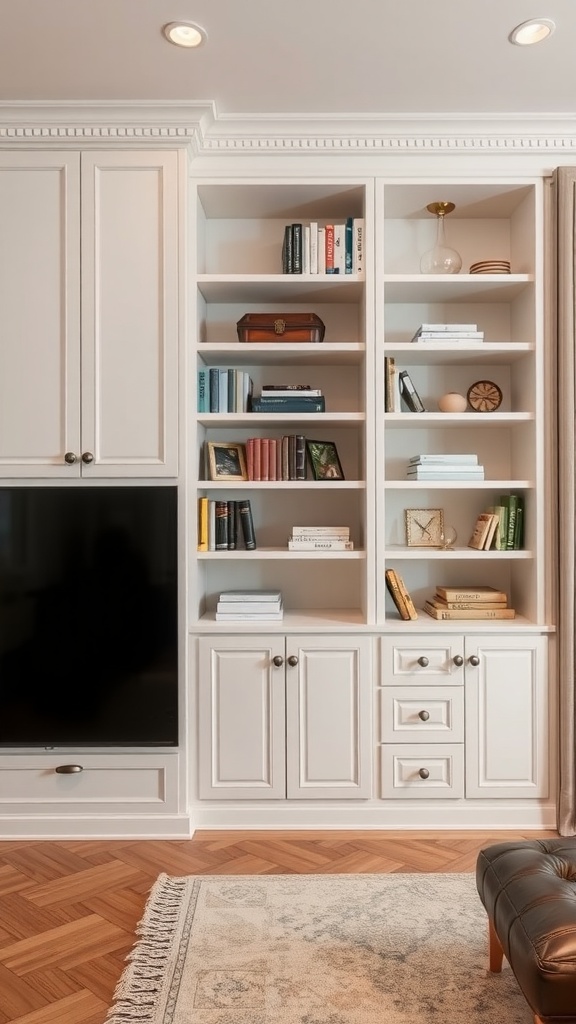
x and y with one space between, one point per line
88 616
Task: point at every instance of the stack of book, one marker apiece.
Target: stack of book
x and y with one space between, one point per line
324 248
469 603
320 538
220 524
224 390
277 398
400 595
249 606
448 332
445 467
276 458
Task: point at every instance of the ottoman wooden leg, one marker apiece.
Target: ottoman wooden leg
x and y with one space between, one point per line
496 953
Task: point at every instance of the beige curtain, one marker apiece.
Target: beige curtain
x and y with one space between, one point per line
564 191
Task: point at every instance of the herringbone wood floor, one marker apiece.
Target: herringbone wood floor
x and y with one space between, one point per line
68 910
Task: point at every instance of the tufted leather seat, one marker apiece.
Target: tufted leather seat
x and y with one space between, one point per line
529 891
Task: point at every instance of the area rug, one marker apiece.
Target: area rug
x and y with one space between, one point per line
310 949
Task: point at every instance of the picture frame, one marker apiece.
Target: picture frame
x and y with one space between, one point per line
324 460
226 460
424 527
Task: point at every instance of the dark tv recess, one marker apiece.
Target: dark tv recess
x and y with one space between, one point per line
88 616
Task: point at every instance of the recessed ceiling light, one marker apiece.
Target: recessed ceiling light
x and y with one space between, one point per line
184 33
533 31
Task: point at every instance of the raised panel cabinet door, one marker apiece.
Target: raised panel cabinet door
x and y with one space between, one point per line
130 313
39 313
506 693
329 691
241 718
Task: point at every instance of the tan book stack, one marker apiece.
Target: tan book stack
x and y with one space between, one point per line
469 603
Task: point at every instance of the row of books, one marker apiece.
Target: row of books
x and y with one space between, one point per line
320 538
249 605
224 390
448 332
445 467
276 458
324 248
500 527
399 391
469 603
222 524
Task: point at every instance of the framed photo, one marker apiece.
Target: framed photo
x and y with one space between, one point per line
424 527
324 461
226 461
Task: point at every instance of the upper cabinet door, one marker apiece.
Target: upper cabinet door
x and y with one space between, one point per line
39 313
130 313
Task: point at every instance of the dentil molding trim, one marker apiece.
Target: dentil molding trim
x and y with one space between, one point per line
199 126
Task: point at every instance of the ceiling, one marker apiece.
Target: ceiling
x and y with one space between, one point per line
305 57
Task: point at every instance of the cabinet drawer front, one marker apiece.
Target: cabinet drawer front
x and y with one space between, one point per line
403 768
31 784
421 660
424 714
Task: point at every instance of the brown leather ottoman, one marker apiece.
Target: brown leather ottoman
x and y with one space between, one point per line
529 892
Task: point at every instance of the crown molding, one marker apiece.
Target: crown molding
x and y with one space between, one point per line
200 127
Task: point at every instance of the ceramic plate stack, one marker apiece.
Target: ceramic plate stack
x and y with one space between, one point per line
491 267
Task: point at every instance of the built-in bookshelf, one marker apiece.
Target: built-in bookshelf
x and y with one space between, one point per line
240 232
491 220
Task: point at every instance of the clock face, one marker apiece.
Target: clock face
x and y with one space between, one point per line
484 396
424 527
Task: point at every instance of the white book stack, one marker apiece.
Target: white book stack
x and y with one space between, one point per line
249 606
320 538
449 332
445 467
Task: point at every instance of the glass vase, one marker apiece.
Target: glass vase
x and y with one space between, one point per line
441 259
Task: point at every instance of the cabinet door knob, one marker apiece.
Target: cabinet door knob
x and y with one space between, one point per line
424 715
278 660
423 661
70 458
68 769
458 660
474 660
87 458
424 773
292 660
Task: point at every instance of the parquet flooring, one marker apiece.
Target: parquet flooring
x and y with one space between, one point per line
68 910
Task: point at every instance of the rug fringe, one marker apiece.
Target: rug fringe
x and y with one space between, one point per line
136 993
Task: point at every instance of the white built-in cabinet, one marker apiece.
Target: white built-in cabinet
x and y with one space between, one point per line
285 717
90 304
459 718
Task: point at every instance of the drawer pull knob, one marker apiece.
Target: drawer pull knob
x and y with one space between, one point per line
70 458
87 458
68 769
292 660
458 660
423 661
424 773
278 660
474 660
424 715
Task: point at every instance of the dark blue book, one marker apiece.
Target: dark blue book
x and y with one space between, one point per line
280 405
349 246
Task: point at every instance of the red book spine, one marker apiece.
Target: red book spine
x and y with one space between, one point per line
272 458
257 458
264 458
250 458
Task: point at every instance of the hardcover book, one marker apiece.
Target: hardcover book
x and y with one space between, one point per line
409 393
472 613
247 524
280 405
471 594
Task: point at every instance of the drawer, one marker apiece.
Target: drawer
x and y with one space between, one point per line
417 660
422 772
422 714
117 783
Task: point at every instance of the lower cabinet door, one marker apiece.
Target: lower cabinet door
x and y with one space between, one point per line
241 718
506 683
328 717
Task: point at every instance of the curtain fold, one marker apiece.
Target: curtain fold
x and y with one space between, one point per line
564 188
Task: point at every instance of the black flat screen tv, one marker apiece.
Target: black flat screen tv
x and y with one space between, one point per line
88 616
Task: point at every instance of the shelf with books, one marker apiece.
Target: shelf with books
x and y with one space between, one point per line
266 288
456 554
245 419
438 353
456 288
335 353
280 554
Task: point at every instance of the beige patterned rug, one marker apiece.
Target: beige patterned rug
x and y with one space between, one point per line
310 949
